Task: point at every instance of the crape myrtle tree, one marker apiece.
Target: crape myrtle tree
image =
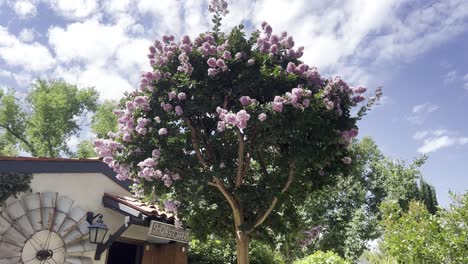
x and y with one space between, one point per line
228 130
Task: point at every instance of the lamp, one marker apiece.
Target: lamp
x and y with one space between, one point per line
97 231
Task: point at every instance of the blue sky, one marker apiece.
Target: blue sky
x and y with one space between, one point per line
417 50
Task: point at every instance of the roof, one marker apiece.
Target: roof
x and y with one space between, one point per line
153 212
58 165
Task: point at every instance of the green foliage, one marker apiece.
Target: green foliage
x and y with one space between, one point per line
12 184
263 254
418 236
211 251
321 257
378 257
47 118
349 210
104 120
7 146
85 149
215 251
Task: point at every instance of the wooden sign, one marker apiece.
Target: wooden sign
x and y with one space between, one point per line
167 231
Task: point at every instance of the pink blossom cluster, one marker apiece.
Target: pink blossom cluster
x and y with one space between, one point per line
309 74
171 206
299 98
348 135
149 171
376 98
230 119
331 97
278 45
173 96
108 149
126 123
218 63
218 7
311 235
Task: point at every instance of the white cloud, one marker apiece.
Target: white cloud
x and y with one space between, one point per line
86 41
27 35
24 8
450 77
110 59
74 9
21 79
434 140
31 57
421 112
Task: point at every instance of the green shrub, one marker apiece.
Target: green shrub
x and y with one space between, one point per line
321 257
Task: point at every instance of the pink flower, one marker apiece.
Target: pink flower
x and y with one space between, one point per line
230 118
358 98
157 119
166 107
162 131
186 39
291 68
221 126
172 95
156 153
141 131
250 62
277 106
262 117
268 29
238 56
306 103
178 110
359 90
212 72
182 96
245 100
220 63
126 137
211 62
274 48
226 55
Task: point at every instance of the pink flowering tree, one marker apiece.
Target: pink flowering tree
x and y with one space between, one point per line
228 131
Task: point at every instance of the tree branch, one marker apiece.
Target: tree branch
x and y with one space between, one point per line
263 217
240 158
29 145
193 134
234 206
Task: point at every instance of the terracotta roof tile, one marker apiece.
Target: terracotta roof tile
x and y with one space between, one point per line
149 210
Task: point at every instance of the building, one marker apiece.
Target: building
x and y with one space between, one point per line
51 223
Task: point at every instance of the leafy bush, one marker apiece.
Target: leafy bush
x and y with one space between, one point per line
13 183
321 257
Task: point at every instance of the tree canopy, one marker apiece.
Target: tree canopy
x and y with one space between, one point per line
233 132
42 123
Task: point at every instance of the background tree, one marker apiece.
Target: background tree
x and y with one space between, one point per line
349 210
42 123
233 132
102 122
418 236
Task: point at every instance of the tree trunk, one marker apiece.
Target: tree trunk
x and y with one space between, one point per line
242 241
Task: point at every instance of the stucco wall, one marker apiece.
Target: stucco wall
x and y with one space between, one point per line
87 190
